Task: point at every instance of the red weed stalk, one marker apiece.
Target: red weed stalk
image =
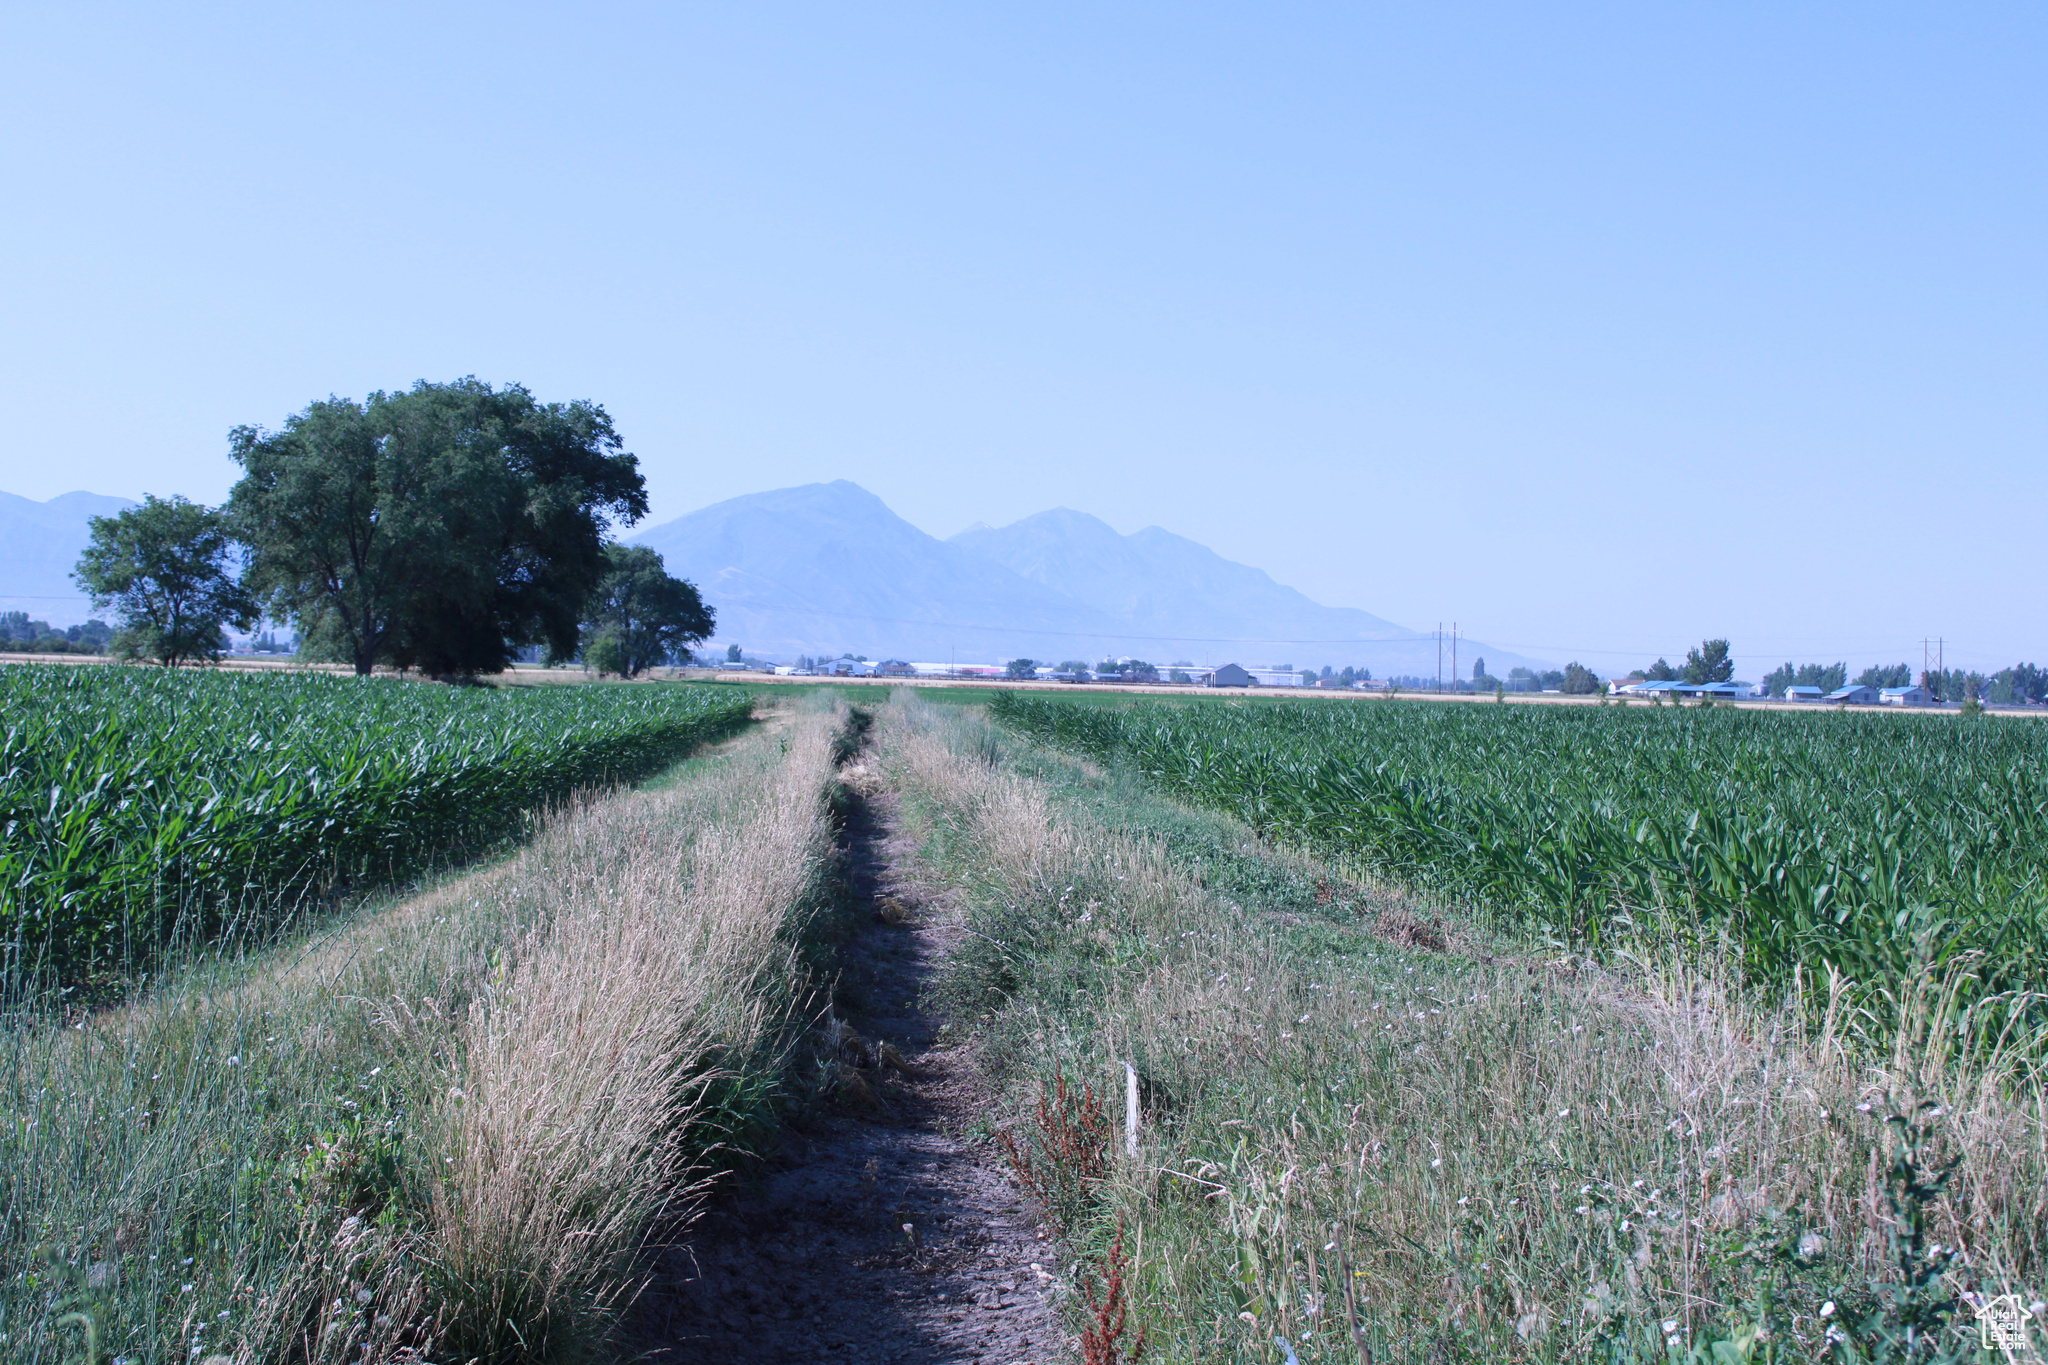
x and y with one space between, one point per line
1102 1340
1068 1147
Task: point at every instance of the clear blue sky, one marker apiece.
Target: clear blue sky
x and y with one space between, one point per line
1595 328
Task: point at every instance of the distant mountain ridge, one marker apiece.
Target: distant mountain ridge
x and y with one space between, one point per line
1163 585
828 568
40 543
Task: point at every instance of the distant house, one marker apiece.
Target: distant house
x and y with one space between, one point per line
848 668
1803 692
1915 695
1855 694
934 669
1230 675
1679 691
896 668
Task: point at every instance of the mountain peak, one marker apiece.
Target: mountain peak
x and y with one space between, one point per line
827 567
40 542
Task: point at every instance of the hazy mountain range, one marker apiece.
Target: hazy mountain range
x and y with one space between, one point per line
39 544
827 568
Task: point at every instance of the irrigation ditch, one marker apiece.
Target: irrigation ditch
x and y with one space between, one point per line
880 1232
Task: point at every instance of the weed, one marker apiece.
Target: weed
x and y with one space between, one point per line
1066 1151
1102 1339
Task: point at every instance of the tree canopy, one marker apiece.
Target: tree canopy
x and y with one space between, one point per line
2021 682
22 633
1579 680
164 569
1709 663
1827 677
639 616
1877 675
440 528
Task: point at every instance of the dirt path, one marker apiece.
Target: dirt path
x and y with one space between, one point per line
812 1260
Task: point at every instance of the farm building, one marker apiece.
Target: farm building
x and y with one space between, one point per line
1678 691
954 670
1275 677
1803 692
1230 675
1915 695
1853 695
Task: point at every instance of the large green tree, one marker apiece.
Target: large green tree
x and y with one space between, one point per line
2021 682
440 528
639 615
1709 663
1881 675
1827 677
166 570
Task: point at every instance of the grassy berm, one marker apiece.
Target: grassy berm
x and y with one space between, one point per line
1374 1132
445 1127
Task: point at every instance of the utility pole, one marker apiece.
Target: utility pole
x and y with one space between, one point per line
1931 666
1454 656
1439 656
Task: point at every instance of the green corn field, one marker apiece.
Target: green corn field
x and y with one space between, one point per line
1878 845
143 806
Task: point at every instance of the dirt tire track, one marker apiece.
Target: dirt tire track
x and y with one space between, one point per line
809 1260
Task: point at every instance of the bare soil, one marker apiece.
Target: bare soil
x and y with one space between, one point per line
882 1233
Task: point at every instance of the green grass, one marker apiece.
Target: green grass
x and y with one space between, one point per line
302 1153
1877 845
143 806
1504 1155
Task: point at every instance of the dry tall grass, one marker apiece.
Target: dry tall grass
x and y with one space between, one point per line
1518 1158
590 1073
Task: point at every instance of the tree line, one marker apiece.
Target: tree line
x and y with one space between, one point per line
2020 683
444 528
21 633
